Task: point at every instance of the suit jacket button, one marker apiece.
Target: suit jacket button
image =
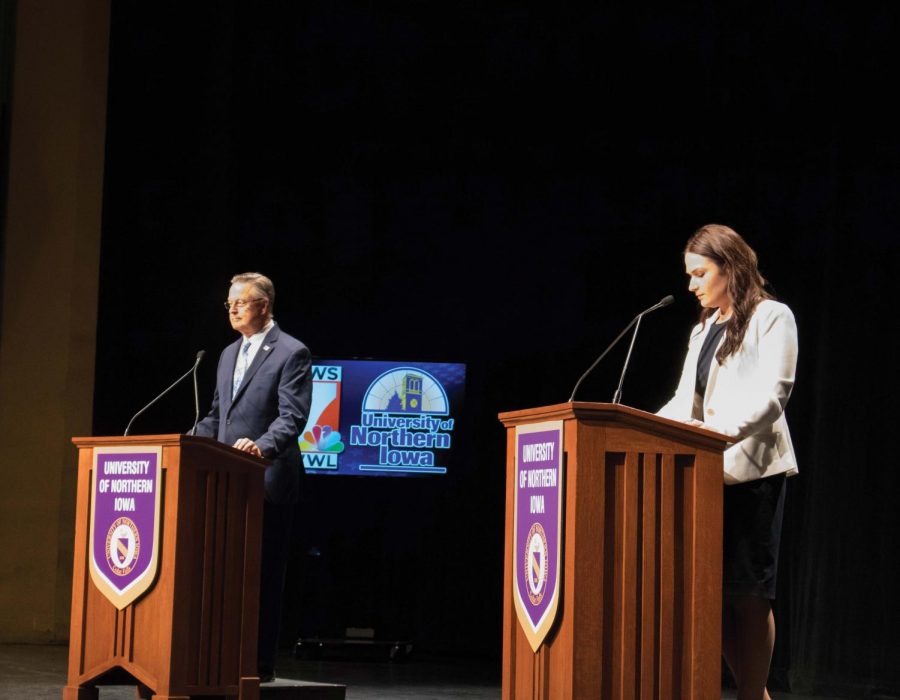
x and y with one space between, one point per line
709 412
228 422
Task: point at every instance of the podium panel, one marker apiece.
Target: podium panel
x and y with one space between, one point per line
641 599
193 632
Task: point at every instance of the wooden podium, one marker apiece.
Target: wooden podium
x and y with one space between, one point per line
193 633
639 612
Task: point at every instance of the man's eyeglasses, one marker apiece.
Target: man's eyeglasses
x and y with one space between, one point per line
240 304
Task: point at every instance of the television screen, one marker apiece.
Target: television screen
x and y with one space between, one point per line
378 418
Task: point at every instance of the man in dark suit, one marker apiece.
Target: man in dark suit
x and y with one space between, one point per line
261 403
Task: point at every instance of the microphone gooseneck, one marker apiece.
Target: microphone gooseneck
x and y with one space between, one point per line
200 356
617 396
636 321
166 391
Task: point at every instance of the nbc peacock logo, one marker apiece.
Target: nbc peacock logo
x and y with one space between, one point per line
321 442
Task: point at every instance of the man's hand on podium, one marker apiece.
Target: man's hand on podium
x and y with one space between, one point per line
247 445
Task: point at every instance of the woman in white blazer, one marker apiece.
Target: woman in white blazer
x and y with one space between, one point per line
737 378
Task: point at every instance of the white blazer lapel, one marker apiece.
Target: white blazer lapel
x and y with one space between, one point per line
714 366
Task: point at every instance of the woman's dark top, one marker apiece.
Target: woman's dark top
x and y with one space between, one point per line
707 354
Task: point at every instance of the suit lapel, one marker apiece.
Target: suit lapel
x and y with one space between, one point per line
226 377
261 356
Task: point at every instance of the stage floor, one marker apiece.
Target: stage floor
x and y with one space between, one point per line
39 673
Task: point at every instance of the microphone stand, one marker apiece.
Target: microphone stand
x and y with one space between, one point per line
636 321
166 391
617 397
605 352
197 396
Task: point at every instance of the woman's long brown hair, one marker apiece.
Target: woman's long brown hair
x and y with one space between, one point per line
746 286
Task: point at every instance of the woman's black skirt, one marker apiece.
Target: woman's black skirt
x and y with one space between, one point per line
752 534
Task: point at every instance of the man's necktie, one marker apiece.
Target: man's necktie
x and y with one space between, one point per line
241 368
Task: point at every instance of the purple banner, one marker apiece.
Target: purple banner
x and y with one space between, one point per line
124 521
539 478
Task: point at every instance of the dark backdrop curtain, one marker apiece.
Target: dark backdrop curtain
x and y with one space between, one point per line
507 185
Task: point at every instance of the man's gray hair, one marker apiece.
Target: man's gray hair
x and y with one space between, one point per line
261 282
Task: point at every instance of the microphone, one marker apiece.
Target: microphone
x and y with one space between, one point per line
665 301
636 321
172 386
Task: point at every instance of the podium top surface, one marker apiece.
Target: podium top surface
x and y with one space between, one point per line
620 416
170 440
